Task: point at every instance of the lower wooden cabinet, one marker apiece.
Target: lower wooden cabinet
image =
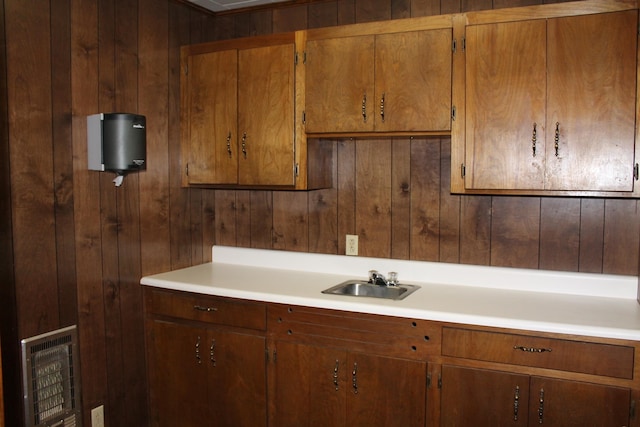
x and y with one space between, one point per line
227 362
326 386
482 397
204 374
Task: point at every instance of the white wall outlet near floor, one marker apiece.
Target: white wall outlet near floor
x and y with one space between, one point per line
352 245
97 416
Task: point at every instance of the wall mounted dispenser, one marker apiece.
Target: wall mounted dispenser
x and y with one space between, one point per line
117 142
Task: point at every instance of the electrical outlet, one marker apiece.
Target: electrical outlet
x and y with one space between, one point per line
352 244
97 416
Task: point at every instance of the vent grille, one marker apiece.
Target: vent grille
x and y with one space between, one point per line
51 379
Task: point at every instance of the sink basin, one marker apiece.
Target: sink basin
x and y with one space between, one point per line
362 288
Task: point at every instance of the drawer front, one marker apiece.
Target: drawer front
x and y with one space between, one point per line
206 308
566 355
392 336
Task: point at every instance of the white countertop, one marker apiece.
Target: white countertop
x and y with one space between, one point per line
571 303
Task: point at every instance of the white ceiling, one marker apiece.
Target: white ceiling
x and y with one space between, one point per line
222 5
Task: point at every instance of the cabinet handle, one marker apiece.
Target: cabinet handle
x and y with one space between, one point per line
212 349
364 108
335 375
556 140
229 144
354 377
516 403
382 108
541 407
244 144
534 139
198 350
531 349
207 309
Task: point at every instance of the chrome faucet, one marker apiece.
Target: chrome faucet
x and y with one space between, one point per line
377 278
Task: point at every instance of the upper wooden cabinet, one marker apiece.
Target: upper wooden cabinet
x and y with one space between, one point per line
549 105
238 117
397 82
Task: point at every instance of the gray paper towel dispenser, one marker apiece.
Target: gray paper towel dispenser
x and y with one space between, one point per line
117 142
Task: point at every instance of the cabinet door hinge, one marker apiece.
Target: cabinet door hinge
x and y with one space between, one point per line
454 45
632 410
296 170
186 169
453 113
304 117
440 381
635 172
463 170
186 70
429 380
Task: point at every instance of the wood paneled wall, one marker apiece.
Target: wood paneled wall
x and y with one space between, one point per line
74 247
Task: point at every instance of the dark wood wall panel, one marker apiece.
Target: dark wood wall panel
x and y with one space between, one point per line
400 198
31 159
8 317
425 200
86 192
63 161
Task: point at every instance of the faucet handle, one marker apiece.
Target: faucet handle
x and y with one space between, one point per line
392 278
373 274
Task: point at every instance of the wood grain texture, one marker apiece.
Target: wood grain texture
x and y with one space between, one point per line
86 190
31 160
425 199
400 198
515 232
10 354
373 197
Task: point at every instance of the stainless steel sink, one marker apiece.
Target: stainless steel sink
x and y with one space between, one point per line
363 288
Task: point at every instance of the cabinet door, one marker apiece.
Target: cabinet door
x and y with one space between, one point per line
211 100
592 99
567 403
265 115
339 85
413 81
177 358
505 105
483 398
385 392
237 386
311 384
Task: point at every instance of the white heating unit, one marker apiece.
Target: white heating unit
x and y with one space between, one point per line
51 379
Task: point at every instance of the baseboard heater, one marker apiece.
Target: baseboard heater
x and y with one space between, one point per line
51 379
